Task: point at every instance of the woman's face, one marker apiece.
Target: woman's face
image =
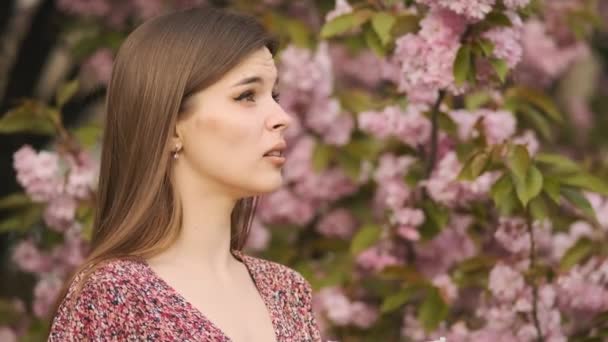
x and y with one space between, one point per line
230 126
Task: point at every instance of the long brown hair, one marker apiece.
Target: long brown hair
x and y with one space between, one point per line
159 65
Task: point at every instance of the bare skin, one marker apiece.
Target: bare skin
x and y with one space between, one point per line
228 129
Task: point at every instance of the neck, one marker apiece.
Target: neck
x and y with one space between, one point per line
204 241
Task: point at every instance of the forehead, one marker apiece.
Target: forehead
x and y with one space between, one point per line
259 63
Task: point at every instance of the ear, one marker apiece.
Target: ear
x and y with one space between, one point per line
177 138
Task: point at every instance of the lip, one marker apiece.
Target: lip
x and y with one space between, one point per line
278 161
280 146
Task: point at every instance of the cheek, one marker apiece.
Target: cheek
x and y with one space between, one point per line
225 132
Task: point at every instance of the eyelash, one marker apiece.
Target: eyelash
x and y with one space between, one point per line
249 94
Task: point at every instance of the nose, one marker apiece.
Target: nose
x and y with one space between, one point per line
279 120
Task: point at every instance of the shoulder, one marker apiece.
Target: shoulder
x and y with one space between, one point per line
102 301
119 276
278 274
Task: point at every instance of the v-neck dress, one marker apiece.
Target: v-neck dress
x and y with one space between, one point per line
125 300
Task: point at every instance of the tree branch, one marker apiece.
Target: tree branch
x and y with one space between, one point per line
434 133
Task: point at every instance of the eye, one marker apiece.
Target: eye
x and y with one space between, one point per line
248 95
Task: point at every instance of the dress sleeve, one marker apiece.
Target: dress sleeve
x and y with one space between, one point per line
310 322
106 309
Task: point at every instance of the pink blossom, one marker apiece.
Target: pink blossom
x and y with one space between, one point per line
392 194
444 187
447 287
304 75
60 212
326 118
538 44
497 125
392 167
81 177
363 315
364 68
45 294
337 223
375 124
282 206
514 4
299 159
375 259
259 237
99 65
528 139
409 125
7 334
84 8
507 41
329 185
146 9
505 283
29 258
336 305
342 8
472 9
449 247
583 289
407 221
38 173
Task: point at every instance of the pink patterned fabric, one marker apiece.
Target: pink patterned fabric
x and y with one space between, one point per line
125 300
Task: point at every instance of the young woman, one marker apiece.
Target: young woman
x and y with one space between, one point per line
193 134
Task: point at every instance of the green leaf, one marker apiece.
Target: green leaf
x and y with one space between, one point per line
486 46
345 23
519 161
396 300
538 208
575 197
503 194
475 166
437 218
577 253
383 22
28 118
15 200
551 187
558 162
586 181
373 41
496 18
321 157
404 24
88 135
22 220
538 99
299 33
66 92
447 124
350 164
536 118
476 99
462 64
500 67
365 237
530 186
433 310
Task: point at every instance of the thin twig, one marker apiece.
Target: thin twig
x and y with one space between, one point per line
434 133
539 333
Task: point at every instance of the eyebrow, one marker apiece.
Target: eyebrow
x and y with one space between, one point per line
252 79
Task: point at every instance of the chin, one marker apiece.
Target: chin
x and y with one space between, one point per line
265 186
